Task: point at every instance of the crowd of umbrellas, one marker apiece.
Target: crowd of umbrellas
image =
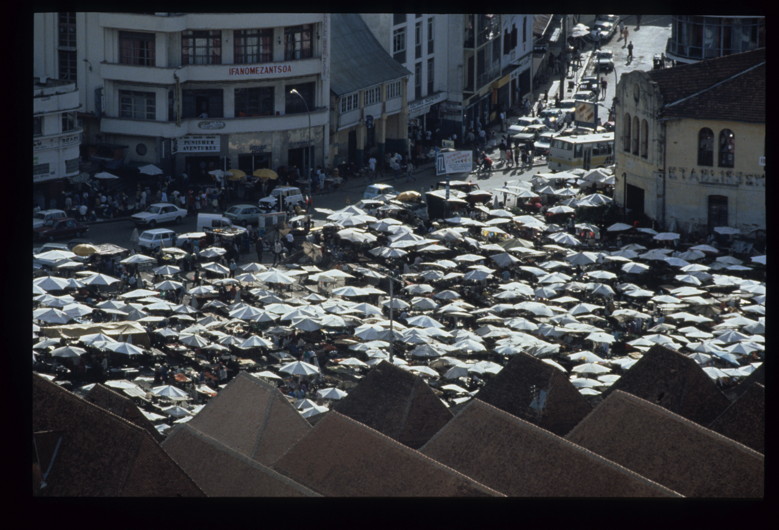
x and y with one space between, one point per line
451 304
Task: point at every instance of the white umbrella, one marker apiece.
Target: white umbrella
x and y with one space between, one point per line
299 368
276 276
176 411
51 316
195 341
634 268
618 227
726 230
170 392
150 169
216 268
666 236
68 352
124 348
138 259
590 368
600 337
166 270
168 285
331 393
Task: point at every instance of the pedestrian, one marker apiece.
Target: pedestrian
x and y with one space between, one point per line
627 33
630 51
372 166
621 30
277 249
259 247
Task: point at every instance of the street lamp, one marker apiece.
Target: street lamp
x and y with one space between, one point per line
310 145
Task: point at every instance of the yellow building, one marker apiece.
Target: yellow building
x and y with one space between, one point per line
690 145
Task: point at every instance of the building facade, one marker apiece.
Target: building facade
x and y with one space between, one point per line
690 145
56 136
195 92
698 37
369 102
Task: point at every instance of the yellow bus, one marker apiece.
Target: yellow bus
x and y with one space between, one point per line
583 151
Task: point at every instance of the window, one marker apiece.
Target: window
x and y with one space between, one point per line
399 45
418 80
430 76
394 90
398 18
418 40
67 64
201 47
626 132
727 148
634 142
430 36
37 126
66 43
68 121
253 46
136 105
706 147
292 102
202 103
350 102
298 42
644 139
67 30
136 48
372 95
40 169
255 101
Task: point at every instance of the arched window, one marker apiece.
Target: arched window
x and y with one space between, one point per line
644 139
705 147
626 133
727 148
634 140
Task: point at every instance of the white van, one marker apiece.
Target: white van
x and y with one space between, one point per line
157 237
211 220
290 195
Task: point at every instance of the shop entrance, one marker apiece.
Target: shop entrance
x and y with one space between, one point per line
197 167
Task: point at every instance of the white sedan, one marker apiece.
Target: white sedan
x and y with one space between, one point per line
158 213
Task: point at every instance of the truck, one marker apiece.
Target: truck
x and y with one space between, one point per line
289 195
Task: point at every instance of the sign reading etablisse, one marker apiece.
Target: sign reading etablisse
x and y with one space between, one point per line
449 162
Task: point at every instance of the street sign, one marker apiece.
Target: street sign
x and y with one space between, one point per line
449 162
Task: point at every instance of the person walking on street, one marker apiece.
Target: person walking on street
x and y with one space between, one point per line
626 33
630 51
258 246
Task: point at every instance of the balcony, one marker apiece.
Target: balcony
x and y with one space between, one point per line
115 125
217 73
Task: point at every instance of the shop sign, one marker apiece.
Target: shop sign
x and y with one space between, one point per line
259 70
211 124
449 162
196 144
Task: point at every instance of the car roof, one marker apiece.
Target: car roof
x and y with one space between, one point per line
157 231
162 204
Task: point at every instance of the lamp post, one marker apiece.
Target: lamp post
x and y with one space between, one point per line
310 145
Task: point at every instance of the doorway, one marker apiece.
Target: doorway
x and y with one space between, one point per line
718 211
634 202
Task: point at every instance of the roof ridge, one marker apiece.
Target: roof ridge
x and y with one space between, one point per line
555 437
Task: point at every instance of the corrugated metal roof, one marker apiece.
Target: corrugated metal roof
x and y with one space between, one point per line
357 59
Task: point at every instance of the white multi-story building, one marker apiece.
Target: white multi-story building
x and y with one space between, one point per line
56 136
465 67
194 92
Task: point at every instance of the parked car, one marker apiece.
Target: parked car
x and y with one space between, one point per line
289 195
604 61
243 214
614 19
159 213
543 143
585 95
61 228
157 237
46 216
605 29
524 121
374 190
553 114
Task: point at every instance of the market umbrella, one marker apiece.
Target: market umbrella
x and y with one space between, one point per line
235 174
276 276
195 340
634 268
166 270
124 348
331 393
51 316
51 283
265 173
216 268
590 368
666 236
600 337
299 368
138 259
68 352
